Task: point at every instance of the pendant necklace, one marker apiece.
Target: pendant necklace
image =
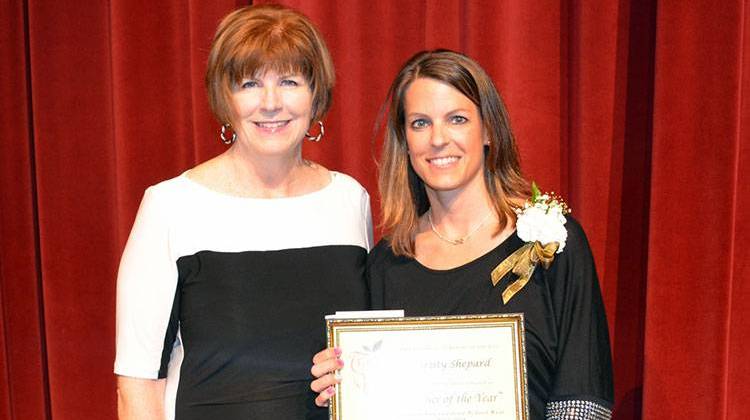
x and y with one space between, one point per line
462 239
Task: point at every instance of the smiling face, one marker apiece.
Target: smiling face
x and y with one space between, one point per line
444 136
273 112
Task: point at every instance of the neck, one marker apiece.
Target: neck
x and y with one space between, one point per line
456 214
270 176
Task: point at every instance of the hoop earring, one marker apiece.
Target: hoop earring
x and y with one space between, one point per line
319 136
223 133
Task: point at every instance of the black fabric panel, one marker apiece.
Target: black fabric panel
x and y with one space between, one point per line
250 323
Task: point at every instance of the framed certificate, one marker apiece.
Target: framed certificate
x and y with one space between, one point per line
448 368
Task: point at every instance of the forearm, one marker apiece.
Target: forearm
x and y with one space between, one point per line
140 399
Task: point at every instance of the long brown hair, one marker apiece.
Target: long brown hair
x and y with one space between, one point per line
403 194
254 39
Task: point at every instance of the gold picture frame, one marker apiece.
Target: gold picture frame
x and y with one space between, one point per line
470 367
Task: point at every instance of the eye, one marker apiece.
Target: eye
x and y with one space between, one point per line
419 124
458 119
246 84
289 82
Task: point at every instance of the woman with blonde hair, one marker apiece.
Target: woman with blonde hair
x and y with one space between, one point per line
231 266
455 206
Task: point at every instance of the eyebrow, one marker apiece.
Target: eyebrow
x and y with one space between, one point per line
281 76
453 111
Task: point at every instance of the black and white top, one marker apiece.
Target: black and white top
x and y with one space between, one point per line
567 342
225 296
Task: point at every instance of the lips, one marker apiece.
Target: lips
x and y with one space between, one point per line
271 125
443 161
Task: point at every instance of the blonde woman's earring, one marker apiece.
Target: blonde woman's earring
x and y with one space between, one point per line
223 134
320 134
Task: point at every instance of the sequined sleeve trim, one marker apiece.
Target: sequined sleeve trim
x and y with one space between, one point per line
576 410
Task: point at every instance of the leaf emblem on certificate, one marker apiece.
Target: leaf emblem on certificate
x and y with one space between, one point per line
362 361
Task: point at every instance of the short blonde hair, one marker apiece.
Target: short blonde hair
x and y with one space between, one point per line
403 194
255 39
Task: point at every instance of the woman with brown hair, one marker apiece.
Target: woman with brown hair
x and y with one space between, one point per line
231 266
455 206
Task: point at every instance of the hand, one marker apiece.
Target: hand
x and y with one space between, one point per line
325 365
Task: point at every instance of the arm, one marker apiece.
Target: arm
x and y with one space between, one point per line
140 399
146 288
582 387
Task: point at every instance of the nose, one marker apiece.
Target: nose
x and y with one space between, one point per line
270 102
438 136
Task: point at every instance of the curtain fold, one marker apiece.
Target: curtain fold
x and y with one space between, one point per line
696 318
634 111
71 97
738 370
24 391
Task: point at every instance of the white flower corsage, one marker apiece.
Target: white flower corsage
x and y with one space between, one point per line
541 224
542 219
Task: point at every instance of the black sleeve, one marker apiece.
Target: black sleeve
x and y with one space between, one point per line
583 376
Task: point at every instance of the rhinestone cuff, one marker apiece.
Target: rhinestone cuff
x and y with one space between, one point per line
576 410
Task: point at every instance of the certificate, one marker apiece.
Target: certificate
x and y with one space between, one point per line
430 368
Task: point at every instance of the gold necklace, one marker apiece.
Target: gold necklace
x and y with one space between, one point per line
462 239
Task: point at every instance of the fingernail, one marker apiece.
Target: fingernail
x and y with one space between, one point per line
337 375
337 351
330 390
340 362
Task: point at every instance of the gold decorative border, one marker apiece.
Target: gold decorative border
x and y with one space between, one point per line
336 327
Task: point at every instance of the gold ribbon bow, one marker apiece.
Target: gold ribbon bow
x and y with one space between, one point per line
523 262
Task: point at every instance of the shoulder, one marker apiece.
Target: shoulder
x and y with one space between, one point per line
577 243
381 253
159 204
379 260
177 183
576 234
347 182
346 188
574 267
381 257
381 250
169 191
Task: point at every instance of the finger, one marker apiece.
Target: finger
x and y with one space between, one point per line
327 366
324 382
329 353
323 398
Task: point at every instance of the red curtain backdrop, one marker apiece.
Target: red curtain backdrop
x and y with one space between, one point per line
637 112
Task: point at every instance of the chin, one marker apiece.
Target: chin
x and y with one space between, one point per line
443 186
452 183
444 180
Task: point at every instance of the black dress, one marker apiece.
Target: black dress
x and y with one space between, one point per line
567 342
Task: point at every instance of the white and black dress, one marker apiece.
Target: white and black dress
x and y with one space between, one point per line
567 342
225 296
